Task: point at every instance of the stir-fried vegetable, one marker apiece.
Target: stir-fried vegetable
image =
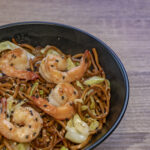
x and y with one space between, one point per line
80 125
7 45
79 85
70 64
41 92
77 130
50 51
35 85
63 148
77 63
94 125
84 107
11 46
22 146
92 106
108 82
94 80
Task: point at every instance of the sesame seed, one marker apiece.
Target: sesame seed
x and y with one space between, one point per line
10 129
34 133
31 112
71 103
28 69
11 64
63 77
29 126
37 96
52 65
86 60
62 97
36 119
27 136
75 92
57 60
45 105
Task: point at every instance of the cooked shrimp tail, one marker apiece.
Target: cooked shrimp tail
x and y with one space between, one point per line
60 101
62 112
52 73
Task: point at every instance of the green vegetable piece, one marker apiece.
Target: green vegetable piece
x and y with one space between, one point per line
63 148
94 80
70 123
79 85
41 92
70 64
92 105
94 125
50 51
84 107
20 147
77 63
33 87
21 88
108 82
7 45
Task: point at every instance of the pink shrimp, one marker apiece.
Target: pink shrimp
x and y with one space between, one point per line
15 63
60 101
27 117
55 72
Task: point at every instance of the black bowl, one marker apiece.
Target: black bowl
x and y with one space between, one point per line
72 41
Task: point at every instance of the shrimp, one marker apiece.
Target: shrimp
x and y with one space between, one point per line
29 120
15 63
52 69
60 104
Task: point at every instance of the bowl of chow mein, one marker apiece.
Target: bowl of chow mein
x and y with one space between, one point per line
60 88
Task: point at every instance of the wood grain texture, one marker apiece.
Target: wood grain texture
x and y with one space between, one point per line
124 25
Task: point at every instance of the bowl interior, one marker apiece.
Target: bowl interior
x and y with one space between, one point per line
73 41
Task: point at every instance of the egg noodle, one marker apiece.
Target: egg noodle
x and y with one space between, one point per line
91 107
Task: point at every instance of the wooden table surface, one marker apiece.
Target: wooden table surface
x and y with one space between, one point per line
124 25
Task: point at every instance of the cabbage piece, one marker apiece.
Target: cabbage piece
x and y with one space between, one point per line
77 130
63 148
9 45
92 105
70 64
41 92
108 82
33 87
77 63
50 51
80 125
22 146
93 80
74 136
84 107
94 125
79 85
